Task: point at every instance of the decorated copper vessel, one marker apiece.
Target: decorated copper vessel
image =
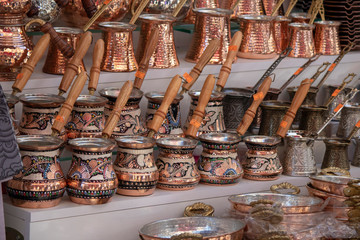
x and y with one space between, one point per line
119 51
87 117
300 17
74 14
337 185
91 178
336 154
176 164
272 112
258 37
210 24
327 40
47 10
55 62
15 45
282 33
219 162
41 183
135 166
11 101
262 161
164 55
213 120
350 115
245 7
190 17
302 40
312 119
172 122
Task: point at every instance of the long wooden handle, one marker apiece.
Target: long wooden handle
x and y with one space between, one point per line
90 7
226 67
65 111
199 112
251 111
28 67
62 3
95 69
60 43
160 114
295 104
178 8
144 64
114 117
72 67
204 59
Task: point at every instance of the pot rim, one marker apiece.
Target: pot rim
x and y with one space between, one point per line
220 138
331 179
92 144
301 25
195 94
68 30
157 97
238 92
251 140
39 142
275 104
300 136
282 19
11 99
337 141
135 142
116 26
220 12
251 17
299 15
314 108
41 100
147 17
328 23
91 101
110 92
176 143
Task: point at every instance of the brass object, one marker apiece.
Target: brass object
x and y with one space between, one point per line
272 112
331 184
327 40
350 115
199 209
119 51
258 37
210 24
301 40
56 62
164 55
284 185
322 194
336 154
335 171
282 33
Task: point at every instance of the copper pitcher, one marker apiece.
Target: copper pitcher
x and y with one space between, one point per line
272 112
282 33
119 51
350 115
258 37
302 40
164 55
55 62
327 40
210 24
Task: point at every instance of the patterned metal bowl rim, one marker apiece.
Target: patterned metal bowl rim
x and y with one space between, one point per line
135 142
92 144
213 11
176 143
220 138
116 26
110 92
39 142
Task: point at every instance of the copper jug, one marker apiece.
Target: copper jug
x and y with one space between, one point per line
302 40
327 40
119 51
350 115
336 154
282 33
210 24
164 55
272 112
11 101
15 45
258 37
55 62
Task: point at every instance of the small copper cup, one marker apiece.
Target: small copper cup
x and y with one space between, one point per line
282 33
119 51
210 24
327 38
301 40
164 55
299 17
55 61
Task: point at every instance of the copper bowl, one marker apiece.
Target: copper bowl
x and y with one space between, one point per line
331 184
324 195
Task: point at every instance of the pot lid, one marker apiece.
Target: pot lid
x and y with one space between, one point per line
176 142
42 100
39 142
135 142
221 138
92 144
90 100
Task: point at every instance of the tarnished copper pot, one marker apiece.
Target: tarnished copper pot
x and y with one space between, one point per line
258 37
210 24
87 117
74 14
350 115
91 178
327 40
164 55
119 51
41 183
213 120
272 112
55 61
130 122
336 154
302 40
312 119
282 33
176 164
11 101
135 166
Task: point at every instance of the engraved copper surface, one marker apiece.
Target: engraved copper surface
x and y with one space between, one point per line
119 51
312 119
55 61
272 112
282 33
164 55
350 115
301 40
336 154
210 24
327 38
244 7
13 12
190 17
299 18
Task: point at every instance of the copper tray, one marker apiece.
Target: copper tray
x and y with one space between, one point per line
324 195
331 184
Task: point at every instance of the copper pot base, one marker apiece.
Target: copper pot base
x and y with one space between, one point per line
90 201
173 187
256 55
262 177
35 204
135 193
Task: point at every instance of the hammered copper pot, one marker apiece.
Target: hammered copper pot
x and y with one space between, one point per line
272 112
327 40
300 17
190 17
41 183
302 40
244 7
282 33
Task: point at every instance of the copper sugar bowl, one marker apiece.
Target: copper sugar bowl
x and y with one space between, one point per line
41 183
210 23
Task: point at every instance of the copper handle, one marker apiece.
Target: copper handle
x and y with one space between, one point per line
251 111
199 112
295 104
199 209
144 64
72 67
62 3
334 171
204 59
284 185
114 117
95 69
65 111
261 201
186 236
160 114
28 67
226 67
90 7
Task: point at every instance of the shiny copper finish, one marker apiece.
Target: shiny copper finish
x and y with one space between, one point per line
327 38
210 24
301 40
282 33
299 18
269 5
245 7
119 51
258 37
190 17
55 61
13 12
